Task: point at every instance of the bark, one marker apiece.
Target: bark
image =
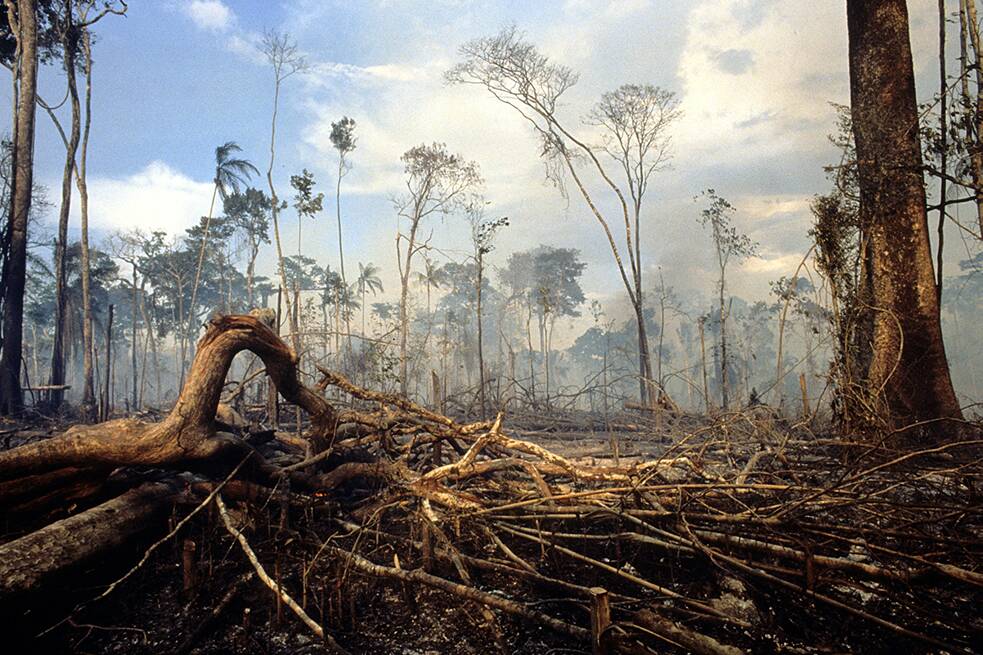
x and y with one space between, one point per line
14 275
37 560
908 371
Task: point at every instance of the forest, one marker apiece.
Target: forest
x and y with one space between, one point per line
582 327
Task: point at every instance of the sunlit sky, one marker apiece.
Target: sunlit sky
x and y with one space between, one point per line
176 78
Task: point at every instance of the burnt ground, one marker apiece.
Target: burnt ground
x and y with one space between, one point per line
167 605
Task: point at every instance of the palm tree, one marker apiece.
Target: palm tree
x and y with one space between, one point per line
368 280
231 174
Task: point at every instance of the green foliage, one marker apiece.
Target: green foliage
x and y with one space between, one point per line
305 202
343 136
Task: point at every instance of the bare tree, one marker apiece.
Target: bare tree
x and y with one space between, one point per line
437 182
727 243
633 123
285 60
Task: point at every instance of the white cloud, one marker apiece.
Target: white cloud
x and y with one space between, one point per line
155 198
210 14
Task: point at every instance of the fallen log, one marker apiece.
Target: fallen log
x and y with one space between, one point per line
32 562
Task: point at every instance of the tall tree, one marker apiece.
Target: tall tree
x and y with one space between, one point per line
285 60
437 182
249 213
23 21
482 239
727 243
908 371
343 140
633 123
305 202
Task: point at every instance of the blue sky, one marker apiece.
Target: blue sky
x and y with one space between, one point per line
176 78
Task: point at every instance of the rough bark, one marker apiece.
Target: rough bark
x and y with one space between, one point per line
14 275
35 560
908 372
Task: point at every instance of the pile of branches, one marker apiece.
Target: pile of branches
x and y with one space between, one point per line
738 538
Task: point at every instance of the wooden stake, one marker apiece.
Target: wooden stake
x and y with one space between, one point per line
804 387
600 620
188 566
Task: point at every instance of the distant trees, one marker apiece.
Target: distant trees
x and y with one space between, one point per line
437 182
249 213
727 243
547 281
908 371
633 124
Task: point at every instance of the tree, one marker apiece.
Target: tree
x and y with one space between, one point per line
437 182
368 281
281 53
633 122
343 139
482 239
727 243
231 173
249 212
305 202
908 371
24 24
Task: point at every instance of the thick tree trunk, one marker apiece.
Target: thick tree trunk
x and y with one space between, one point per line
15 273
908 370
37 560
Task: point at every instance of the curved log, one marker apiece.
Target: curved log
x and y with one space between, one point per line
188 433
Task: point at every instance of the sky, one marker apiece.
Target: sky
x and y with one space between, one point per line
755 78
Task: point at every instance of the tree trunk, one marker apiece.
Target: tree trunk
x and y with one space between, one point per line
36 561
404 323
57 376
15 273
971 22
724 396
481 352
908 370
88 385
